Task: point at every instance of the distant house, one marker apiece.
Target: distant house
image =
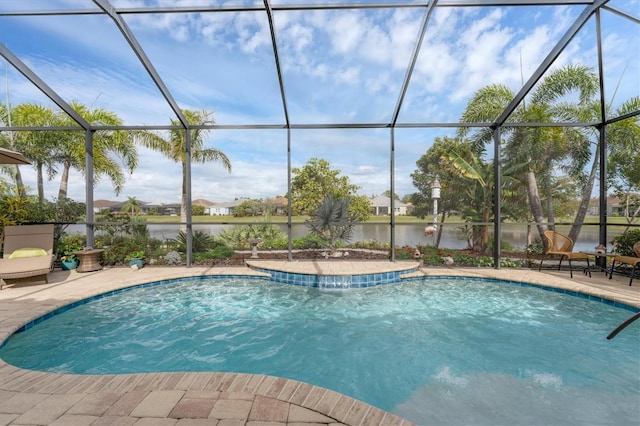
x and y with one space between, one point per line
381 206
116 207
202 202
100 205
280 205
224 209
615 206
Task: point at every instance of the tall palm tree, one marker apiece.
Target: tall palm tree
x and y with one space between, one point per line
37 146
174 147
536 150
623 139
8 140
110 148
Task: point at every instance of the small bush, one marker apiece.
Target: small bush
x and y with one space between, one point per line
624 243
221 252
309 241
238 237
69 244
172 258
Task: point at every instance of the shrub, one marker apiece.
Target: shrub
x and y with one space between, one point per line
68 245
309 241
239 236
624 243
172 258
222 252
201 242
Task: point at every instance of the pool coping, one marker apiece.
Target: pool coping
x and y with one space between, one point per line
32 396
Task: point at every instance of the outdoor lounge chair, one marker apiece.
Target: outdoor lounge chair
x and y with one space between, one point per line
561 245
629 260
28 253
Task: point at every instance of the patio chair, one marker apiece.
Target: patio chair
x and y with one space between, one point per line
629 260
561 245
28 254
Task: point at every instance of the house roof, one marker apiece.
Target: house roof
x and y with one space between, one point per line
384 201
234 203
202 202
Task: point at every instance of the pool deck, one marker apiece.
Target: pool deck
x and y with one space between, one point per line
220 399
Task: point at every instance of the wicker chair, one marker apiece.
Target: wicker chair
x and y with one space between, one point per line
561 245
27 255
629 260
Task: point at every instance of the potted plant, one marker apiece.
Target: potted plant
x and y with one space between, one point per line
68 246
135 258
69 261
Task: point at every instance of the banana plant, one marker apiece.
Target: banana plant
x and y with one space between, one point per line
482 174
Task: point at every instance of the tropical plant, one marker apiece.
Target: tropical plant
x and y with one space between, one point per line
201 242
332 222
480 210
68 245
455 195
138 254
535 151
239 236
111 148
132 206
624 243
175 148
37 146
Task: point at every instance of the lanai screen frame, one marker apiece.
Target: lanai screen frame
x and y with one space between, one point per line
104 7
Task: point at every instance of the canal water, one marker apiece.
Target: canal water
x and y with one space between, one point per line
453 236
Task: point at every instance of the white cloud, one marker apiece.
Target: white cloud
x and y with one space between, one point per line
338 66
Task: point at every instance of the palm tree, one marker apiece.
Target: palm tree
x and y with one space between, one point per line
110 148
131 205
9 141
332 222
174 147
623 143
37 146
535 151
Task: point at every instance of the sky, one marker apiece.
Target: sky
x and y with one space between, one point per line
338 66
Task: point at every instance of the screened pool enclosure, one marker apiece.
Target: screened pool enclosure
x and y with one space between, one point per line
534 103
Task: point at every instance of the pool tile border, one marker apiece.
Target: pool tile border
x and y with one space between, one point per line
340 280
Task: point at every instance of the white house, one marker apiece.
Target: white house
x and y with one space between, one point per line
381 206
224 209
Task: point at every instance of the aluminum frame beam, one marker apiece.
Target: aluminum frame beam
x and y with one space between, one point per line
548 61
299 7
44 87
110 10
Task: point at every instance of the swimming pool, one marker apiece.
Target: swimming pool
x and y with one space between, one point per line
432 351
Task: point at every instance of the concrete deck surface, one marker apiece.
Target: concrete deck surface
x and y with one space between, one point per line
220 399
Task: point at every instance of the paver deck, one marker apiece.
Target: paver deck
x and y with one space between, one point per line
221 399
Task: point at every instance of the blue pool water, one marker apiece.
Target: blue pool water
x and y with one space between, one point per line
437 351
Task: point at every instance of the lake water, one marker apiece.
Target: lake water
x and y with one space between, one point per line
411 234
